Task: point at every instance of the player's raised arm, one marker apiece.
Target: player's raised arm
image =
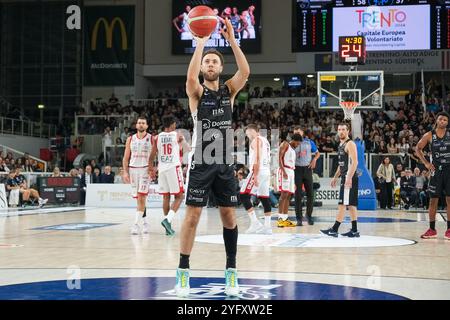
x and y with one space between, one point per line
193 86
238 81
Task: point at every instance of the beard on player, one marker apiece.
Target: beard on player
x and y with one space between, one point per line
210 75
343 135
141 128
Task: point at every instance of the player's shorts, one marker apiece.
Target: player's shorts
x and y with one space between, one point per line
140 181
349 196
286 184
218 178
439 182
170 181
186 35
249 33
262 190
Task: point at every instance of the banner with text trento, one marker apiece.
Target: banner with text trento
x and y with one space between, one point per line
109 46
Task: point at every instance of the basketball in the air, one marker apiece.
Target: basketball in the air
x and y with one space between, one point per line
202 21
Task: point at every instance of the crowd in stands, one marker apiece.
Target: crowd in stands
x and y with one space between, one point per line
395 130
25 163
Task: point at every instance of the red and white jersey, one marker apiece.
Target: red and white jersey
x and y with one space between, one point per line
264 155
140 150
168 150
289 158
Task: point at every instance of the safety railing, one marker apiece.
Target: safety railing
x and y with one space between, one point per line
26 128
92 125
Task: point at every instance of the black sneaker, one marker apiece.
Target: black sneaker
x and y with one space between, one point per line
351 234
330 232
299 223
310 221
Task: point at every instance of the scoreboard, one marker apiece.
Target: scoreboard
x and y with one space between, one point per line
59 190
352 50
387 25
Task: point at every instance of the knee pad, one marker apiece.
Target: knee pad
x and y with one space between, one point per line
266 204
245 198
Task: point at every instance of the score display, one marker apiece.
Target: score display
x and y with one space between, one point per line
352 50
387 25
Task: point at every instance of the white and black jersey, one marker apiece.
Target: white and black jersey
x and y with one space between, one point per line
210 168
440 157
347 196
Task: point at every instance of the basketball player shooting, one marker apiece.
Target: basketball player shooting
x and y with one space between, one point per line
439 138
348 194
169 146
211 105
135 165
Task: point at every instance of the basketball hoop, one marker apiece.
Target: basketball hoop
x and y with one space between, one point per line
349 108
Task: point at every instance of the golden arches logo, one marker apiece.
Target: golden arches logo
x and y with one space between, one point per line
109 28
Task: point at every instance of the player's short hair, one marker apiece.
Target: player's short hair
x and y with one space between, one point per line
168 120
252 126
299 128
345 124
142 118
444 114
296 137
214 51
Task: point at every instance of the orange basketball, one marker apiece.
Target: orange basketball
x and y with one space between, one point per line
202 21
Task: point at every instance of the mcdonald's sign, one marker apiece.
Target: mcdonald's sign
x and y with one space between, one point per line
109 46
109 28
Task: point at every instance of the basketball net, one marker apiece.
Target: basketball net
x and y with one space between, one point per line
349 108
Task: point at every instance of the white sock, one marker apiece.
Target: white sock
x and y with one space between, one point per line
252 216
285 216
138 217
280 216
267 221
170 216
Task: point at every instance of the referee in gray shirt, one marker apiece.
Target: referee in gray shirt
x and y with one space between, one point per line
304 166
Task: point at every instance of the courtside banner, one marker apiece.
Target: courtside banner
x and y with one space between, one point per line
119 196
109 46
385 27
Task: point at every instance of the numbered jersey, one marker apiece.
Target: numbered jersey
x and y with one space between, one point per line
168 151
264 155
140 150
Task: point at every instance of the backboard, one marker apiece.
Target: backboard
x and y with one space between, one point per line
365 87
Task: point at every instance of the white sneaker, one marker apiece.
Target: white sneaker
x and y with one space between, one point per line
255 227
267 231
135 229
182 287
231 283
42 202
146 228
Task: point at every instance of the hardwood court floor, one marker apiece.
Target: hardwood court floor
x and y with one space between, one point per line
389 261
